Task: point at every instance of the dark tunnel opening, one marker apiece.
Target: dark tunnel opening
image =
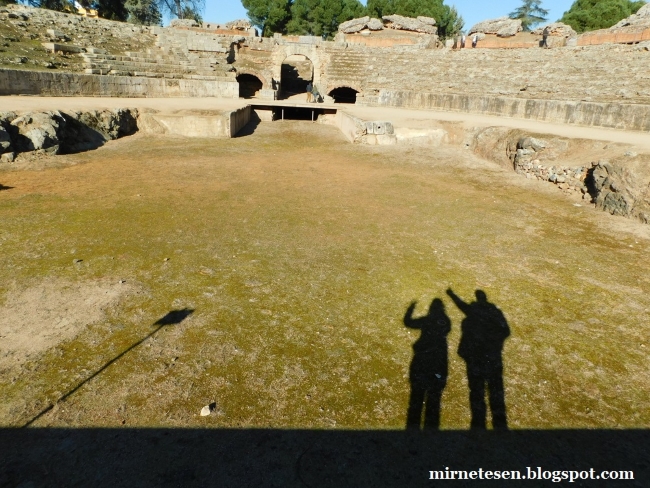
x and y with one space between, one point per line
249 85
297 113
344 94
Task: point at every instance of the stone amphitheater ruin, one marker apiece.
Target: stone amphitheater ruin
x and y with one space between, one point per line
598 79
295 319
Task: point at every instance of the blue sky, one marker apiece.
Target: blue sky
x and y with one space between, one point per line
473 11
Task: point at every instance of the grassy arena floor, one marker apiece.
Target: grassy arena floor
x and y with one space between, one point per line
299 254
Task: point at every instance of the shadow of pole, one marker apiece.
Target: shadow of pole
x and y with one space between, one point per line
172 318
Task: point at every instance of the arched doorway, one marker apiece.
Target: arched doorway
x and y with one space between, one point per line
249 85
344 94
296 73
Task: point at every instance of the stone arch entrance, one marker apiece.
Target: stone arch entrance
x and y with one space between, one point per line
249 85
344 94
296 72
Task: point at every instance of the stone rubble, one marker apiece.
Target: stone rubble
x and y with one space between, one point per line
611 186
420 24
618 191
635 22
239 24
558 29
525 159
55 132
375 24
355 25
183 23
501 26
399 22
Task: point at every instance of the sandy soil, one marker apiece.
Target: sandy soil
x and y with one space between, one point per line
37 318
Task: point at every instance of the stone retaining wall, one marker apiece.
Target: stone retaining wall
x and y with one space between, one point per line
237 119
610 115
18 82
607 37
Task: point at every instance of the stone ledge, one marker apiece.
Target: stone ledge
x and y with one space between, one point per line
22 82
590 114
62 48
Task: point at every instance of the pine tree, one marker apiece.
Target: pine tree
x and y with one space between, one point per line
586 15
448 21
182 8
143 12
322 17
269 15
531 13
111 9
59 5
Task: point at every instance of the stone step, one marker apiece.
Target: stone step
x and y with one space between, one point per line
160 60
141 66
131 69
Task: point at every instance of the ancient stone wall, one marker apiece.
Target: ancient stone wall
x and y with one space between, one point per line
602 83
611 115
600 74
74 84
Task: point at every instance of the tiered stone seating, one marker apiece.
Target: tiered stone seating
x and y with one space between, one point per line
350 65
179 54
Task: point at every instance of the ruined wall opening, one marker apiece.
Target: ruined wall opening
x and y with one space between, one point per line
344 94
297 113
297 71
249 85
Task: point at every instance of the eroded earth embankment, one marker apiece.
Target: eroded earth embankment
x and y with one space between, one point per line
612 176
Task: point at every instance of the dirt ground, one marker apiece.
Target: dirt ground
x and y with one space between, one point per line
295 256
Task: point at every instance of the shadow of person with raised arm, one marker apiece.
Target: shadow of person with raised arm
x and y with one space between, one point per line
484 330
428 371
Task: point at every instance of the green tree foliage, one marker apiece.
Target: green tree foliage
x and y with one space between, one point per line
182 9
322 17
379 8
269 16
190 13
586 15
448 20
531 13
449 23
143 12
111 9
60 5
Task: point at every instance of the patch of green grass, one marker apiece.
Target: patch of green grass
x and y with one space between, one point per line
299 254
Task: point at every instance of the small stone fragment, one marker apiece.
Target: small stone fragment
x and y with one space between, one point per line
208 409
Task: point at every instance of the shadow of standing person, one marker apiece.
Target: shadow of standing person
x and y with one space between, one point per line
484 330
428 371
